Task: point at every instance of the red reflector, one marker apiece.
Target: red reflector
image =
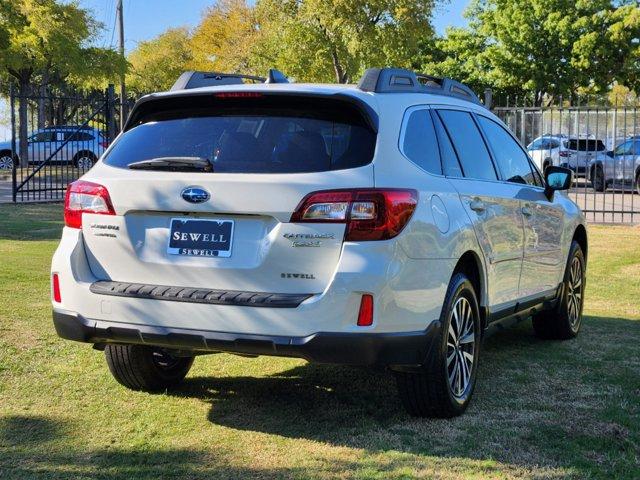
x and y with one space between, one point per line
238 95
365 316
55 286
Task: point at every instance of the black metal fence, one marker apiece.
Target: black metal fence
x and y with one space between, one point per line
600 143
55 139
66 134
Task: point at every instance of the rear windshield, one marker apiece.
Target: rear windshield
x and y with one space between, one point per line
586 145
253 136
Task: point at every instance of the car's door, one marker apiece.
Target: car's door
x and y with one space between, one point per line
40 146
542 261
491 205
631 160
622 155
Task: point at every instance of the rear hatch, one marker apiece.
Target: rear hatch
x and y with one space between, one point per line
581 151
204 187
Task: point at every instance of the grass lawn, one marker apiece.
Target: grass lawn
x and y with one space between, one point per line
541 410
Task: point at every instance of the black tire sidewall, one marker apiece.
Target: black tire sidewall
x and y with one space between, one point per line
459 286
564 305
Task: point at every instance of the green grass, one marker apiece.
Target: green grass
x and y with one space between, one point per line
541 409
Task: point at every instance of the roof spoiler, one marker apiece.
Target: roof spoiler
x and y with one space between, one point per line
399 80
193 79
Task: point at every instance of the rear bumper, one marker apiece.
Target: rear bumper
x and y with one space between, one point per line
403 349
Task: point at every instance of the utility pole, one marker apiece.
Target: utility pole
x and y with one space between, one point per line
123 90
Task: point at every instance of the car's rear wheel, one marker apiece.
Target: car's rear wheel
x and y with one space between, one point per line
6 161
443 386
563 322
597 179
140 367
84 160
638 183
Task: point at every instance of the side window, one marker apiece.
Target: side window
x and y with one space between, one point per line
450 163
536 144
623 148
419 142
511 159
43 137
78 136
469 145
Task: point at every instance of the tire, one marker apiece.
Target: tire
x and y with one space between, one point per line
140 367
563 322
597 179
638 183
429 391
84 160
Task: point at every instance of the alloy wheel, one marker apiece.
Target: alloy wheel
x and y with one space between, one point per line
163 359
460 347
85 163
6 162
574 294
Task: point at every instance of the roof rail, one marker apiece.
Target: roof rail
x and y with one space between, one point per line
192 79
400 80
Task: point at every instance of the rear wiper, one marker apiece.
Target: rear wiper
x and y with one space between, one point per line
174 164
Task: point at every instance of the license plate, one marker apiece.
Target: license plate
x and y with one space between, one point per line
200 238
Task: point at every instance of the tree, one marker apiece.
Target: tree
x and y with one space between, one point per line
156 64
336 40
225 38
45 39
545 47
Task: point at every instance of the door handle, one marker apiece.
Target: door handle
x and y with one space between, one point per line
526 211
477 206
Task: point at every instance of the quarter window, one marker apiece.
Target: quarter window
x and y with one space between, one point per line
420 144
469 145
511 159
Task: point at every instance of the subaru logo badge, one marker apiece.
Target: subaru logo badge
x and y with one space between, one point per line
195 195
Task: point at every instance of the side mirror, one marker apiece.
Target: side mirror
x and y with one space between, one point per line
557 178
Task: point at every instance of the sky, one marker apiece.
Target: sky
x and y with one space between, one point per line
145 19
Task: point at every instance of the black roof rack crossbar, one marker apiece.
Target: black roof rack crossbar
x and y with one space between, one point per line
400 80
192 79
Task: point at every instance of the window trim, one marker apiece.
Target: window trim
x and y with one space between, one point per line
403 129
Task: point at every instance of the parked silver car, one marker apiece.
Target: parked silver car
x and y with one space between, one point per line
574 153
80 146
619 168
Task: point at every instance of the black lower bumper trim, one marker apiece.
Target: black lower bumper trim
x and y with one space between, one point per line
384 349
198 295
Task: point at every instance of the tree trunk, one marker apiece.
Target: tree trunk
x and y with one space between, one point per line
23 121
42 100
341 75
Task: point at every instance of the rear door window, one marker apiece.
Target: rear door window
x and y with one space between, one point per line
511 159
252 136
469 145
419 142
586 145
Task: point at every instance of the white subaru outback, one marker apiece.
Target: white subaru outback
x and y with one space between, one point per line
390 224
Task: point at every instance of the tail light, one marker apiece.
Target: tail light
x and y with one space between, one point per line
365 315
104 144
565 153
55 287
370 214
85 197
